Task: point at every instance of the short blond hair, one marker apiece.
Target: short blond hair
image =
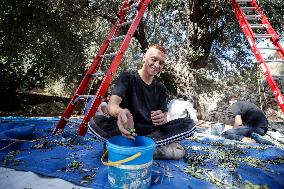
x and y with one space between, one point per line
233 97
159 47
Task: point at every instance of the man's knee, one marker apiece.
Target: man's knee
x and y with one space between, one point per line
229 132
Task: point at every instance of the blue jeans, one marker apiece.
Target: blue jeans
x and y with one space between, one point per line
238 133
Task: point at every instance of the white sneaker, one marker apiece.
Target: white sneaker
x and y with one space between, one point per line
170 151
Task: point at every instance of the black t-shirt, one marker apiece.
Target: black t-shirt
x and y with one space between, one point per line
250 113
242 107
140 98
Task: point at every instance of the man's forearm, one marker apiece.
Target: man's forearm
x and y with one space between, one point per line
113 105
114 110
238 121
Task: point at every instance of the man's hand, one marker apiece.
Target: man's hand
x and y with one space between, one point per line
124 122
158 117
248 140
124 117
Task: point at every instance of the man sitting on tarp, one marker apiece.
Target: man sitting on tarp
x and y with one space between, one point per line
139 101
248 119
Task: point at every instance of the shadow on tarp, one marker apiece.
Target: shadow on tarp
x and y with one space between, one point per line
207 164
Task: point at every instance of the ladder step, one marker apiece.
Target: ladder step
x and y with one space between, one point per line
282 61
253 17
247 11
131 8
125 23
82 97
270 48
85 96
248 8
264 35
108 55
98 74
243 1
258 26
117 38
278 77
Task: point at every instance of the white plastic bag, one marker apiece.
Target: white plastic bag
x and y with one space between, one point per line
179 108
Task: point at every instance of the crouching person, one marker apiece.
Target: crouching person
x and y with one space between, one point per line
248 119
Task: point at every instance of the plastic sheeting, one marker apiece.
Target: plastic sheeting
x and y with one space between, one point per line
210 162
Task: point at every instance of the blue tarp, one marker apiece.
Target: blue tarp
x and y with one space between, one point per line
209 163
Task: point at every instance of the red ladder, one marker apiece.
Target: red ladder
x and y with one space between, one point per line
252 20
127 8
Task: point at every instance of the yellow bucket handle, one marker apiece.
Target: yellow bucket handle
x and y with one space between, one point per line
119 162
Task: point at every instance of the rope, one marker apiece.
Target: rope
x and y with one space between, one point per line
21 140
260 84
259 91
7 146
86 100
